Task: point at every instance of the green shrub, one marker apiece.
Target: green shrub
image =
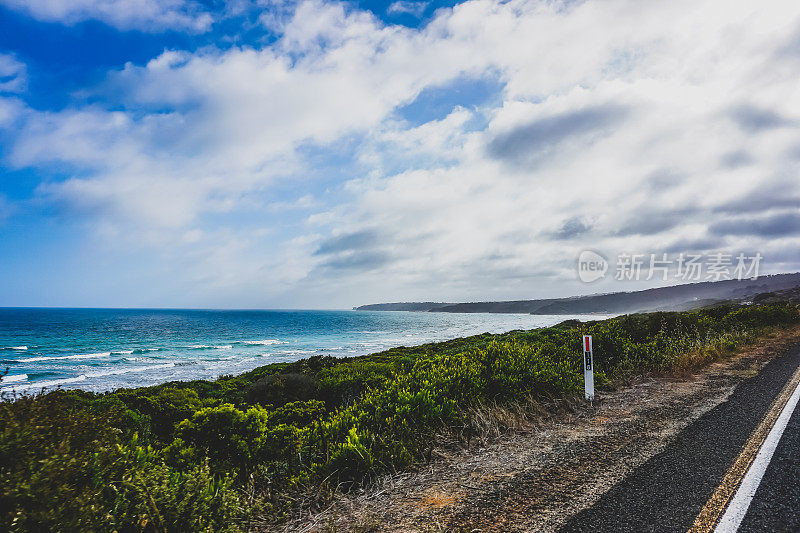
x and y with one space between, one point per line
165 406
277 389
54 461
64 467
156 497
237 441
343 384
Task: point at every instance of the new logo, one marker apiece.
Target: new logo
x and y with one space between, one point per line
591 266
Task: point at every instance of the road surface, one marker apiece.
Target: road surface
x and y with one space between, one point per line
690 484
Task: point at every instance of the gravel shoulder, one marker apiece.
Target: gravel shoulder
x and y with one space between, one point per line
547 475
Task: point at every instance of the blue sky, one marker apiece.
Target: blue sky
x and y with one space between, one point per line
265 153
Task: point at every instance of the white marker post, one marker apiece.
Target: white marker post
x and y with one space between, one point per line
588 368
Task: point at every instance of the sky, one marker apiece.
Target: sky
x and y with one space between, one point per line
323 154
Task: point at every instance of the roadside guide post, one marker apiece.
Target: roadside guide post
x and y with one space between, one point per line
588 368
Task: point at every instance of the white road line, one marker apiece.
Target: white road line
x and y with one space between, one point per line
737 509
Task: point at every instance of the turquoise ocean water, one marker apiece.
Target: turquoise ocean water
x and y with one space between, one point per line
103 349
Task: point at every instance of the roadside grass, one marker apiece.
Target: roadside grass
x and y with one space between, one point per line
226 455
488 422
725 346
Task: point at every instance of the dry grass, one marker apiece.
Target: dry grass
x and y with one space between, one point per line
739 343
488 422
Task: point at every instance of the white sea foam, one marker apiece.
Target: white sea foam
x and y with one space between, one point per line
267 342
57 382
84 377
209 347
23 348
294 352
15 378
118 371
223 363
61 357
121 352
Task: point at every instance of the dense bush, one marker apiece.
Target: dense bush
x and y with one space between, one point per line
64 467
277 389
203 456
165 407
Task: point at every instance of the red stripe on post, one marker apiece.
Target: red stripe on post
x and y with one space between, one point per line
586 342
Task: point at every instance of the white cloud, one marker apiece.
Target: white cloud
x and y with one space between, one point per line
10 110
622 115
13 74
411 8
145 15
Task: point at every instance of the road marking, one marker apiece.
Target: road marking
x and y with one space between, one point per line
741 502
705 521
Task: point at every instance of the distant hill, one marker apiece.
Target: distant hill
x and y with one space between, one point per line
404 306
674 298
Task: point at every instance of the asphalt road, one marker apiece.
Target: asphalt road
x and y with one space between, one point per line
669 491
776 504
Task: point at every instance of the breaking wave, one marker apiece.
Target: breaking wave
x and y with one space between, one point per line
62 357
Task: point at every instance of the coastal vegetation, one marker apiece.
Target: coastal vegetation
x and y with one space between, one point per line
230 454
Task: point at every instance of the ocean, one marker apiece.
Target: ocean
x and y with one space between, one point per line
105 349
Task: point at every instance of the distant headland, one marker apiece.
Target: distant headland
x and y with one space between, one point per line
674 298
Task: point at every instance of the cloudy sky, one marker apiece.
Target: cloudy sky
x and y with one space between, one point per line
273 153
